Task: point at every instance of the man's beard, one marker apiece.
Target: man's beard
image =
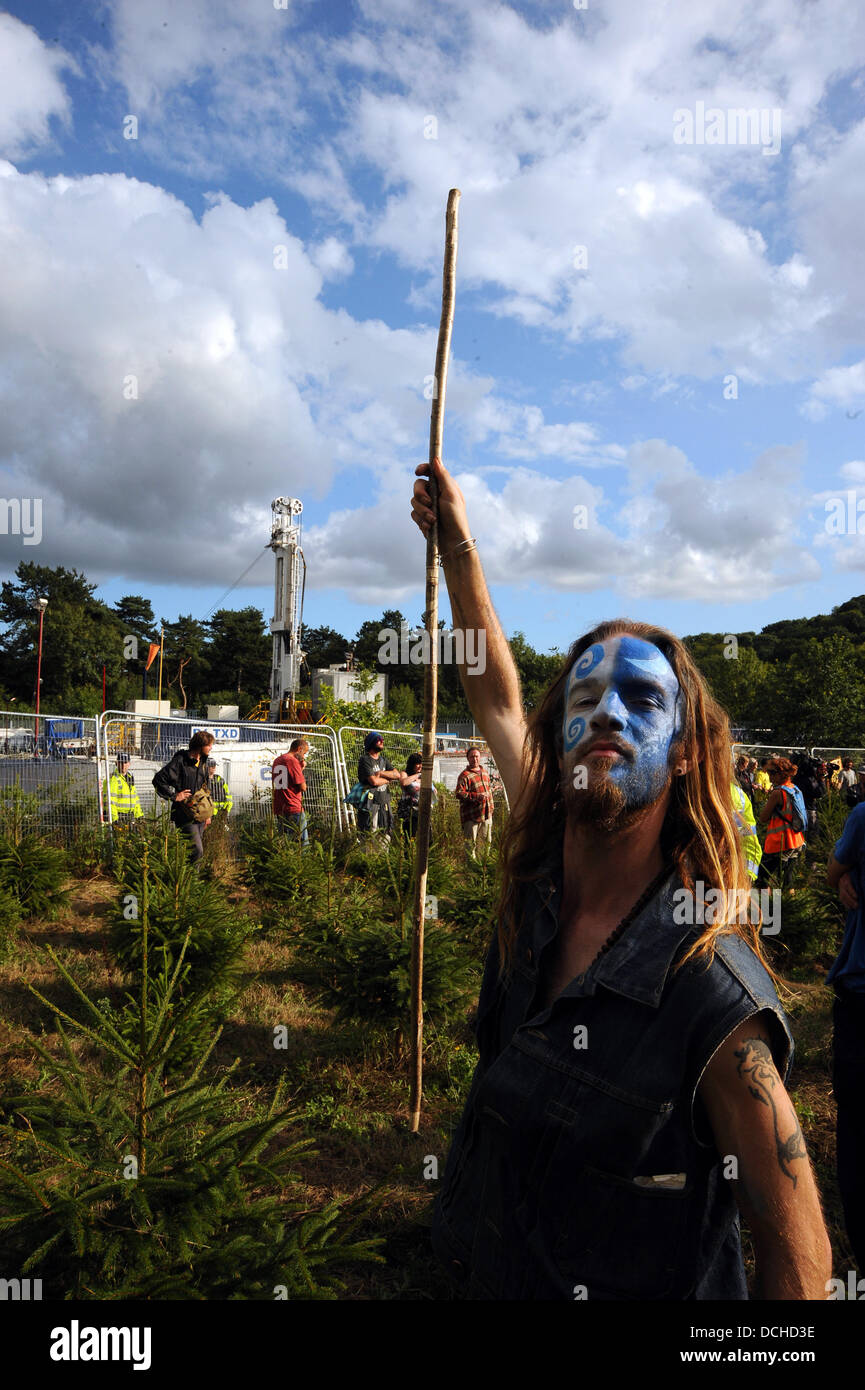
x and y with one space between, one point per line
603 803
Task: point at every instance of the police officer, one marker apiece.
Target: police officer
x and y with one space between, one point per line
743 814
118 792
220 792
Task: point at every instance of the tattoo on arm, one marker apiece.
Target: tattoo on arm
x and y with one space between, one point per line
756 1066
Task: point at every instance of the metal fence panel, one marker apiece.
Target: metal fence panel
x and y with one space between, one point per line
244 753
48 773
827 754
769 750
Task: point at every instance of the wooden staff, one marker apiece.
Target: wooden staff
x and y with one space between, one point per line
430 685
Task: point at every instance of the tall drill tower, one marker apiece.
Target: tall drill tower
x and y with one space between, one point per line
285 624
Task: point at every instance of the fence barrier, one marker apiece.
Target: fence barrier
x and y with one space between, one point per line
448 762
55 770
48 773
827 754
244 753
769 750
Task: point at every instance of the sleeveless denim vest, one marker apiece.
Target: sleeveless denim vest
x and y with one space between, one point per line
583 1165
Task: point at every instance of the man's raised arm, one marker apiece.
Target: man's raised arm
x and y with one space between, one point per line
492 687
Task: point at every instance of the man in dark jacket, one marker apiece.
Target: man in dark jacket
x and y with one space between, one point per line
374 770
179 780
629 1093
808 782
854 796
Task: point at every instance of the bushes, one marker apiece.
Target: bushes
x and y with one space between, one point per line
10 917
355 925
187 918
832 812
812 924
89 853
274 865
34 874
469 903
363 970
125 1186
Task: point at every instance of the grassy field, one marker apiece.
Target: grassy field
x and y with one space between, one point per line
346 1077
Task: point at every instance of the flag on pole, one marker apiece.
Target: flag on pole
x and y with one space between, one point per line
151 655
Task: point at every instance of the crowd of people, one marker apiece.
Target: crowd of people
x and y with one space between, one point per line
197 793
786 797
370 794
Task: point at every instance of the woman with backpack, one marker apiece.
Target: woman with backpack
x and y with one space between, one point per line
786 820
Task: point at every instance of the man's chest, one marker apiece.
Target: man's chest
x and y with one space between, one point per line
569 955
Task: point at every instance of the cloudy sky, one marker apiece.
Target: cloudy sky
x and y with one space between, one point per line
221 230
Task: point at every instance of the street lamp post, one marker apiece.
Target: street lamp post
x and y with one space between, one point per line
41 604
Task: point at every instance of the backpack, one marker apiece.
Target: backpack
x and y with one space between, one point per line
798 818
199 807
358 796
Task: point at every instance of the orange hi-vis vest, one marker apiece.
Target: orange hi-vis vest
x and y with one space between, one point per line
780 835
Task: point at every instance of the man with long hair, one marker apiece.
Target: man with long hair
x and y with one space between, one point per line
629 1097
179 780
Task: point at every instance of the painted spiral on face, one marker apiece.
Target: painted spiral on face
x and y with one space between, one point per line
588 661
574 731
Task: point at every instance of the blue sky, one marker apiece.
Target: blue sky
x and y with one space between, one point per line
334 131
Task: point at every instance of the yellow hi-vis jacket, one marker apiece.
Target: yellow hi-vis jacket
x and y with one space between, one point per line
124 798
220 795
747 827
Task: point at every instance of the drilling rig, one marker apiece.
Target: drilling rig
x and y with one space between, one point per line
287 611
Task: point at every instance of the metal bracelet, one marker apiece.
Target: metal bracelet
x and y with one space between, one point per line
464 547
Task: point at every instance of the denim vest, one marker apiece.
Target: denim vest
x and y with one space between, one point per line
583 1165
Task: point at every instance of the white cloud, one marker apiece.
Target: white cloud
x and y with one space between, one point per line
161 46
692 537
838 388
560 134
331 257
31 89
674 535
521 432
163 378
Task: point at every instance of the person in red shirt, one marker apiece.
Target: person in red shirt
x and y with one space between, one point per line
289 784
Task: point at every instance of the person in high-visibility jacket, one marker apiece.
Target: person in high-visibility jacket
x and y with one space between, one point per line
220 792
781 839
119 791
743 813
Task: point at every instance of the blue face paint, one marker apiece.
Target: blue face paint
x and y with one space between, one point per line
574 732
588 661
626 691
584 664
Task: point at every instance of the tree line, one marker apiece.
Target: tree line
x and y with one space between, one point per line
798 681
222 659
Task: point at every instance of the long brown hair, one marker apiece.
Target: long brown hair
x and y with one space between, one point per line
699 836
